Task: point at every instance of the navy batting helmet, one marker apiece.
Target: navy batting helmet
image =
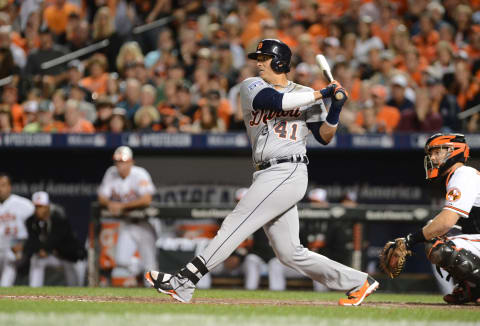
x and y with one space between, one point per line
280 52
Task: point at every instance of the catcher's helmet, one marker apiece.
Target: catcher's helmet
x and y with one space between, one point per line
280 52
458 151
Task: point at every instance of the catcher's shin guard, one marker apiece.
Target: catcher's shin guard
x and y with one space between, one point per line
460 263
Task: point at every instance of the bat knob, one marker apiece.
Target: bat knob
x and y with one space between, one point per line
339 96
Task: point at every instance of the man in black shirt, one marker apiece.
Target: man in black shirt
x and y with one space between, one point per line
51 242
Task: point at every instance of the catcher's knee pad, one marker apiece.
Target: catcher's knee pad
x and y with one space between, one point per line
461 263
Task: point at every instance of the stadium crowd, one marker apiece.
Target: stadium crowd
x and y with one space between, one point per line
408 65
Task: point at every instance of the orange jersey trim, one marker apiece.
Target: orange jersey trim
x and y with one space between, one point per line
458 210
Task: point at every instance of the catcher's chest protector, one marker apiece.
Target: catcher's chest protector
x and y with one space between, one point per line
461 264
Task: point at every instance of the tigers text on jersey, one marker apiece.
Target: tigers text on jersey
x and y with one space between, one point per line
135 185
277 134
463 191
14 211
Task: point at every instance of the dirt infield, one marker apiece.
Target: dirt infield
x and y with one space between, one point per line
215 301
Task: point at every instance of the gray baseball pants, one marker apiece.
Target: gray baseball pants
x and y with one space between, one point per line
271 203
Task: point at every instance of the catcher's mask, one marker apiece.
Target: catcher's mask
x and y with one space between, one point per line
457 151
279 51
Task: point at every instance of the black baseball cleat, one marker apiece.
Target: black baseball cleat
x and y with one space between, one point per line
178 287
463 293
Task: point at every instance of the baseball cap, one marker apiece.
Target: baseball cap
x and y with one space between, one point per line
40 198
103 101
76 64
31 106
119 111
46 106
332 41
317 195
399 80
123 154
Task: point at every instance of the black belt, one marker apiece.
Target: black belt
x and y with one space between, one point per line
298 158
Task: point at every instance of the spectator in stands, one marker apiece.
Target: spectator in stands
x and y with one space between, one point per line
31 109
51 242
59 99
444 103
6 120
97 80
366 41
211 116
46 51
131 103
18 54
113 87
386 117
7 66
463 21
104 113
119 122
45 121
444 62
208 121
165 44
103 28
129 52
74 119
426 40
146 119
75 73
398 98
32 29
56 15
421 118
10 99
415 64
148 95
80 39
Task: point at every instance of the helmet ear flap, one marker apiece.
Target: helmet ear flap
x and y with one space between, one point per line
279 66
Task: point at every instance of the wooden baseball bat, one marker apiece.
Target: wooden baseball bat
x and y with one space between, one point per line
323 64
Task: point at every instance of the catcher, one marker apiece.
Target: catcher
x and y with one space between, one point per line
455 251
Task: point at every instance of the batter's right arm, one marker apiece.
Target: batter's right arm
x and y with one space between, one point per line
270 99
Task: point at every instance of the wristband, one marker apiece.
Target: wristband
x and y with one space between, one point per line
334 113
414 238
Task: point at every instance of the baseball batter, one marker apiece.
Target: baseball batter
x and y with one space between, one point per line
126 187
14 210
278 115
455 251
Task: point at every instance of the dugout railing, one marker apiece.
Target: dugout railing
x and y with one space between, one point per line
358 217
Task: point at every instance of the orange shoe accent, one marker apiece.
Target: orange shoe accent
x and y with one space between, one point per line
356 298
148 278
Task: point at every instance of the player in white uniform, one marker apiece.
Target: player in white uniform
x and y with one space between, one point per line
127 187
457 252
14 210
278 115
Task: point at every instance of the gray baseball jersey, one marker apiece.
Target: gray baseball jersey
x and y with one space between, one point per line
277 134
271 201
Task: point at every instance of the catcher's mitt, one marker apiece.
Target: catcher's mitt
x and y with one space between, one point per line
393 257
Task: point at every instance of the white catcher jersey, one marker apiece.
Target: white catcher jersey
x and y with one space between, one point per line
463 191
277 134
135 185
13 213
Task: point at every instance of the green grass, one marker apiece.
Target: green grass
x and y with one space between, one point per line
50 312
